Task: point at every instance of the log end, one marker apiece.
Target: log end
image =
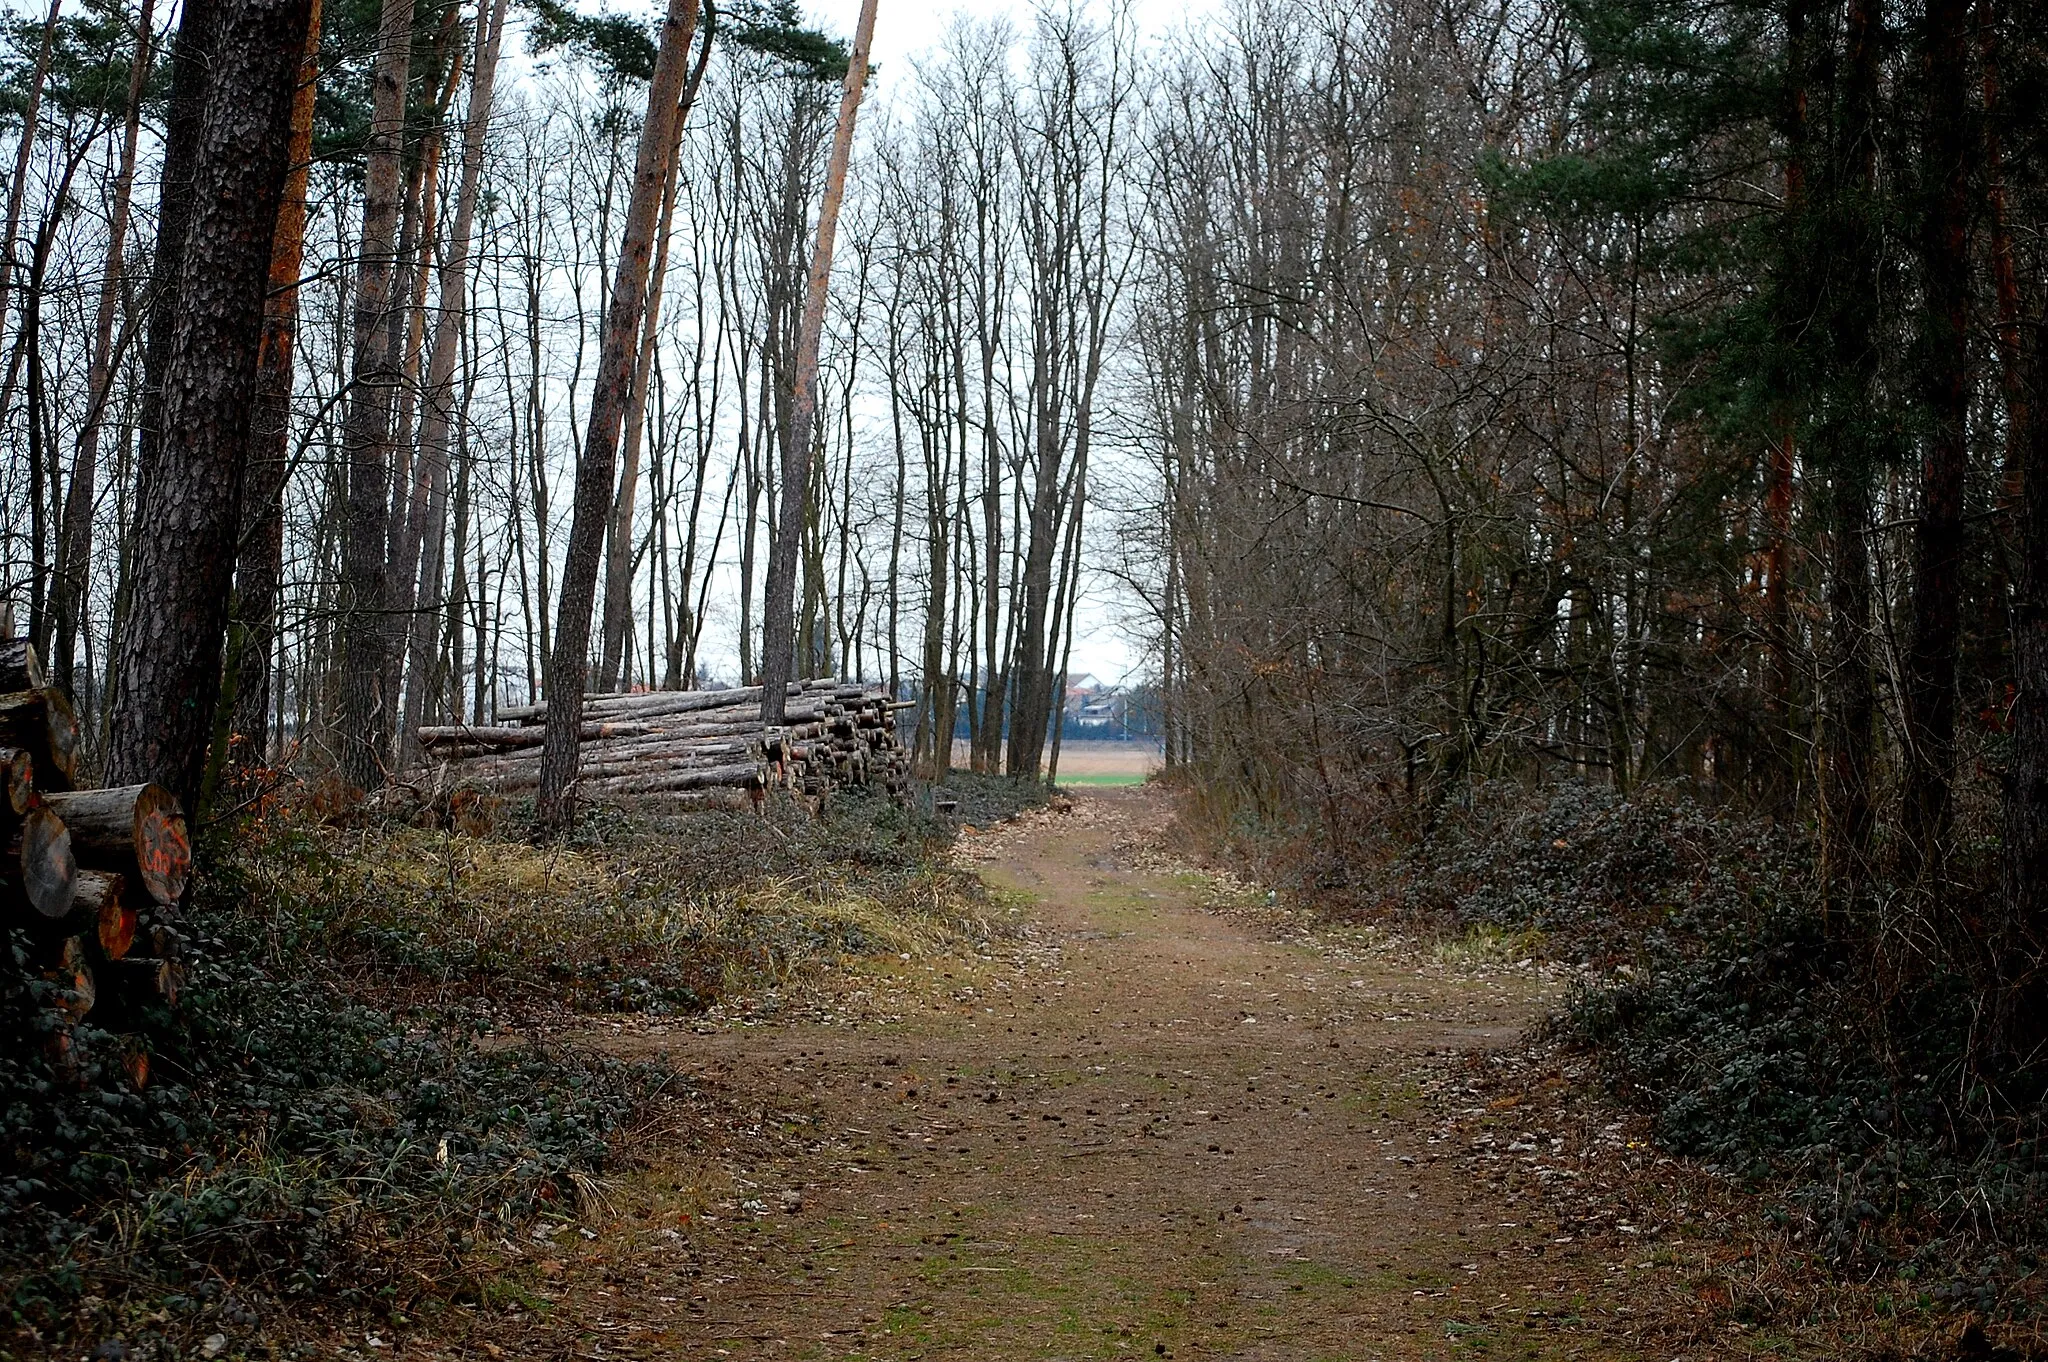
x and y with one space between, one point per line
44 869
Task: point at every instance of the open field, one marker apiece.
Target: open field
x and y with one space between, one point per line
1096 763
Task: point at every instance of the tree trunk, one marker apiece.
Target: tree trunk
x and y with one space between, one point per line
191 76
618 573
366 712
1930 662
189 492
259 570
618 567
778 633
2020 1004
17 187
569 664
70 587
413 482
438 414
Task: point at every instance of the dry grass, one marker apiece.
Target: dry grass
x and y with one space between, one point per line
657 915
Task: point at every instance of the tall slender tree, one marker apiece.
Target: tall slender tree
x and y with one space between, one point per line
569 664
1944 248
69 586
259 568
365 712
438 418
778 625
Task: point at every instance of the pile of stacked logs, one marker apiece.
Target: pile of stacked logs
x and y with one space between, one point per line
692 748
89 879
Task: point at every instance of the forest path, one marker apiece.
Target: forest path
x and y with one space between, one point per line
1161 1132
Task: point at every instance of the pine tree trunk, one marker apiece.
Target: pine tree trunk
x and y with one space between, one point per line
569 664
1852 700
365 711
413 483
778 632
2020 1007
1930 662
259 572
189 493
437 420
191 73
618 568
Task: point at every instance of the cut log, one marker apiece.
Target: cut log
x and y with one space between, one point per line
69 969
101 905
41 723
60 1048
17 781
138 830
650 702
658 748
742 776
141 979
522 735
450 739
135 1062
20 668
677 743
40 868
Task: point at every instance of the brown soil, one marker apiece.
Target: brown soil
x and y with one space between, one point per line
1157 1123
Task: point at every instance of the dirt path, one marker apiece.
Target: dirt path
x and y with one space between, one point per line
1164 1133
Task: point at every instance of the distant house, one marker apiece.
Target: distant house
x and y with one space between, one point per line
1094 709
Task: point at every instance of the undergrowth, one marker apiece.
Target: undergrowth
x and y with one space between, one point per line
356 1098
1788 1042
982 799
632 914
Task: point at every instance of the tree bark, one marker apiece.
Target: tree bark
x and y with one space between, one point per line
365 713
259 569
1930 662
569 665
191 76
189 492
2020 1003
778 632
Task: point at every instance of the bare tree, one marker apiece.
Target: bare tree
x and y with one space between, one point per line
778 636
365 712
569 665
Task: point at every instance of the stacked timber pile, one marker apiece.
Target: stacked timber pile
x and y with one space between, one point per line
89 879
693 748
